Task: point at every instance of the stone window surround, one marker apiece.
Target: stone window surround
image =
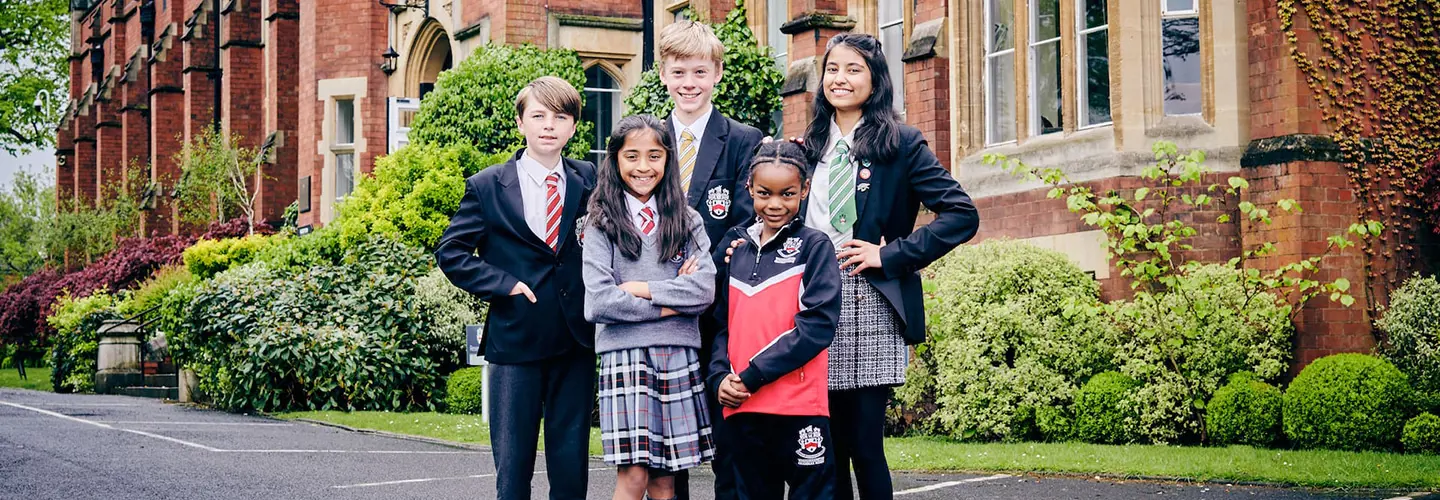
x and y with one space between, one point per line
327 92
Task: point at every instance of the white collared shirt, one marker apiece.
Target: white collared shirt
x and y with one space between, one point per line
696 129
635 205
817 215
532 176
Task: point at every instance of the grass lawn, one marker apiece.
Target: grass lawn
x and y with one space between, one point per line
39 379
1236 463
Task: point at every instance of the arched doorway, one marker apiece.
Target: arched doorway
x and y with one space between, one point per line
430 54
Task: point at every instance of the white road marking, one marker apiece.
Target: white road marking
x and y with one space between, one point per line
85 404
156 422
948 484
58 415
1400 498
173 440
429 479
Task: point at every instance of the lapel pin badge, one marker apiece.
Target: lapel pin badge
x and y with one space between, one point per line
863 187
865 173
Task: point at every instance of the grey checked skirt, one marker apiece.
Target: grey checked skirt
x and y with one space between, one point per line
652 408
868 350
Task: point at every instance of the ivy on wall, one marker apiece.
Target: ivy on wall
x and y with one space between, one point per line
1376 76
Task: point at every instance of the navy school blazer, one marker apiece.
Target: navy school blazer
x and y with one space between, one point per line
488 247
722 169
887 204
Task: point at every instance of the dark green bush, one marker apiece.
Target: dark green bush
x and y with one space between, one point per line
1422 434
344 335
1011 326
475 102
410 195
1347 402
462 392
1244 411
1412 328
1102 407
749 90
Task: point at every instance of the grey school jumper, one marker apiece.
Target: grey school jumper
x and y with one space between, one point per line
624 321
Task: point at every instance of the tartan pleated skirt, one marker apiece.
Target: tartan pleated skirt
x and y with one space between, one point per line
868 350
653 410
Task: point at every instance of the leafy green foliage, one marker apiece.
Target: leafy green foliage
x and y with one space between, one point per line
34 50
154 290
1422 434
1347 402
319 248
749 90
26 211
410 195
1103 408
1412 330
206 258
75 345
462 392
475 102
448 309
216 178
1013 329
346 334
1244 411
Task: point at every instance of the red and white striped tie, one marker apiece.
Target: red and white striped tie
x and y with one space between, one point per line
647 220
553 209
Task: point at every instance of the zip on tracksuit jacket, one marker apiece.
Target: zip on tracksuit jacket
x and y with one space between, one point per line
776 318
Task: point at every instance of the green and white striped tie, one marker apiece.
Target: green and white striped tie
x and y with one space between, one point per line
842 188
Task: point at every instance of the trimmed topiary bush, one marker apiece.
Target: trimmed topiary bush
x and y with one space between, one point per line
1244 411
1422 435
1102 408
1412 327
462 391
1347 402
206 258
410 195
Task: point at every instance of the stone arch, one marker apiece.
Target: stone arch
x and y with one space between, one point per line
430 54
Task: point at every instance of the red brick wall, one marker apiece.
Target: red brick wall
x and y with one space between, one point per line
281 61
1281 102
199 52
927 88
607 8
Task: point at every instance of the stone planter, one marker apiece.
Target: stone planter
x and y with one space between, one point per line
119 356
189 383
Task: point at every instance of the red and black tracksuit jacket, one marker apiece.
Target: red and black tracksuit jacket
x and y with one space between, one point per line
777 317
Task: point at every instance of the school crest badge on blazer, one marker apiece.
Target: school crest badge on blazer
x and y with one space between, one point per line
718 199
580 230
812 447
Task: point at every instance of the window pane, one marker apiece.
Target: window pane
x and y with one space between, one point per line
1001 95
344 174
1181 51
1179 5
1002 16
602 104
1046 20
776 14
1047 115
345 122
1096 57
892 42
891 11
1094 13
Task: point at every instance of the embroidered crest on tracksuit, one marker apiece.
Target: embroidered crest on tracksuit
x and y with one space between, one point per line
812 447
787 253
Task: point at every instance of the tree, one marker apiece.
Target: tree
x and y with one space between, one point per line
25 209
217 179
34 72
749 91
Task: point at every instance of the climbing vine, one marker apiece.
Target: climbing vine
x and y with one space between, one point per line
1374 68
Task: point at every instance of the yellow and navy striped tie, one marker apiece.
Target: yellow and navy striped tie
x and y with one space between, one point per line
688 148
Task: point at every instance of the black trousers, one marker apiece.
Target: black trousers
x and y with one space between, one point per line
723 463
773 451
561 392
858 419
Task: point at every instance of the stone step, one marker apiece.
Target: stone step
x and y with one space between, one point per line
152 392
162 380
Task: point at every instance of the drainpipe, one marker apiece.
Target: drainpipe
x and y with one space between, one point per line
217 74
648 14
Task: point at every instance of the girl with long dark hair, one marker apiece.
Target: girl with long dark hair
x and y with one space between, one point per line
648 276
871 174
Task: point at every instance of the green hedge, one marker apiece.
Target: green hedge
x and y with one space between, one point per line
1347 402
1422 434
463 393
206 258
1244 411
410 195
75 346
1412 328
474 103
1013 329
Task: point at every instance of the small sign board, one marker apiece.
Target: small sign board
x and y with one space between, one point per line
473 356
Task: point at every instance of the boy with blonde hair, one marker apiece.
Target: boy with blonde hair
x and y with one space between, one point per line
714 153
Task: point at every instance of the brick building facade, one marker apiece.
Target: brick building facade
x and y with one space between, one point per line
1087 85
